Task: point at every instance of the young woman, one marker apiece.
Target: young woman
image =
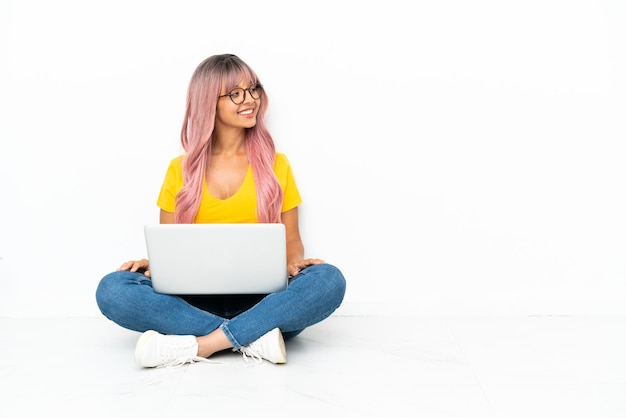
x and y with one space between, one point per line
229 172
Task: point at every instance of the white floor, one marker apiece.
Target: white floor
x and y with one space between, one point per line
492 367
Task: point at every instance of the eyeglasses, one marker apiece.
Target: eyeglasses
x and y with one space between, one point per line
238 95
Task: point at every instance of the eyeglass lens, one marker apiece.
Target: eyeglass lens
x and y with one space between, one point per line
238 95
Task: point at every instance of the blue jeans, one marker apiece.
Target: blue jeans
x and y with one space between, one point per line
314 294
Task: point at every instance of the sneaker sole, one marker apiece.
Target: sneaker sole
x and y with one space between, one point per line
140 344
282 359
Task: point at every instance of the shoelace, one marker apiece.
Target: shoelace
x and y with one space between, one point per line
249 353
185 359
179 355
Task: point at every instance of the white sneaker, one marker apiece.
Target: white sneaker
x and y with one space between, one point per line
270 347
158 350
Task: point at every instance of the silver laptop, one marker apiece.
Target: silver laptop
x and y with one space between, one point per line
196 259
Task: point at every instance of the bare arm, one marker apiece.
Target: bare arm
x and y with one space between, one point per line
166 217
295 248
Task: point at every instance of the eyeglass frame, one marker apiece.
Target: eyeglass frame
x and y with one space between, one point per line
256 86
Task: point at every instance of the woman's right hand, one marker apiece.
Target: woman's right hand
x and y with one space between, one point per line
136 266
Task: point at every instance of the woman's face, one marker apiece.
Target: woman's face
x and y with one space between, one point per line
238 107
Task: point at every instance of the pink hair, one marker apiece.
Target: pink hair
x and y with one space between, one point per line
196 137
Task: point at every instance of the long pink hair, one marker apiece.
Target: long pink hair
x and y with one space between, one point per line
197 136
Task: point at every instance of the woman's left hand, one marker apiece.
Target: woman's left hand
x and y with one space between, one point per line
296 267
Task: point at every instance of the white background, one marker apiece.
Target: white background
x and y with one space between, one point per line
455 157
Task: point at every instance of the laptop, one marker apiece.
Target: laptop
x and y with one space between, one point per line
217 259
